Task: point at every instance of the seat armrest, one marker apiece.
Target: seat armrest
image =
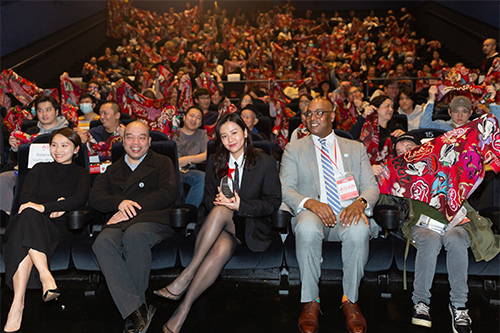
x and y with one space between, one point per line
77 219
387 216
281 218
182 214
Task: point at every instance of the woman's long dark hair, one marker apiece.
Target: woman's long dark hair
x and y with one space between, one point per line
222 154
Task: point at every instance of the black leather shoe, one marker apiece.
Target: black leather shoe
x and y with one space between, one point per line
139 320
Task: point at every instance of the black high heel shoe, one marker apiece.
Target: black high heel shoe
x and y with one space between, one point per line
165 293
51 294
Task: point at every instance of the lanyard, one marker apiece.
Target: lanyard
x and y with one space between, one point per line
324 153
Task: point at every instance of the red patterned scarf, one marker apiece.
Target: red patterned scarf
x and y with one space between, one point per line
70 91
445 171
15 118
22 89
206 81
157 114
370 135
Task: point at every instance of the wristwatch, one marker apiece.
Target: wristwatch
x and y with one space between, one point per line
363 201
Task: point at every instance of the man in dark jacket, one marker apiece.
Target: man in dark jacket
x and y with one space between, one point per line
139 190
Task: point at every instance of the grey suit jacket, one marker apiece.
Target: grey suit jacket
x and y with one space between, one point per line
300 178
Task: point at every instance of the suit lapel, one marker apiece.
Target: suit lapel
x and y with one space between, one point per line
345 154
246 181
313 163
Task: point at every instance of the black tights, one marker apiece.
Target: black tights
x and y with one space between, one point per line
214 247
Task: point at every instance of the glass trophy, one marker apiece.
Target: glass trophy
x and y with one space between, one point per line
227 187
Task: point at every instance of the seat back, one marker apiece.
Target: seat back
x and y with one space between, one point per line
264 125
429 133
28 123
167 148
343 134
401 119
158 136
293 123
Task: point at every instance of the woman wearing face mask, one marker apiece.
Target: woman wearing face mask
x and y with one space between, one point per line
256 192
32 235
87 106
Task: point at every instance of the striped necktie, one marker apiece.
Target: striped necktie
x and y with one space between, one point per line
332 193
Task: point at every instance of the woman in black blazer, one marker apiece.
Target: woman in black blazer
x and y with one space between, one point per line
257 194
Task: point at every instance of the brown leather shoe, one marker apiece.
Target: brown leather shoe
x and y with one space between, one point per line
355 321
308 320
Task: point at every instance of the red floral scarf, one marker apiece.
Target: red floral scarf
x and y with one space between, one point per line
370 135
445 171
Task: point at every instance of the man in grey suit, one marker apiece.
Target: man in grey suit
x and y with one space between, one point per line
329 187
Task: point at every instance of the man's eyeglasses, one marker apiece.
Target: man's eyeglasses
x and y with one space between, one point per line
317 114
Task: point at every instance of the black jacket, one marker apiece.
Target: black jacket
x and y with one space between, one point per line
152 185
260 194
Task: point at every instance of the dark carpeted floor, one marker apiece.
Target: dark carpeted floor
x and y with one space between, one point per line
248 306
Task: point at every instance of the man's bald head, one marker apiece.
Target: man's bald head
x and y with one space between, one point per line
489 47
136 141
139 125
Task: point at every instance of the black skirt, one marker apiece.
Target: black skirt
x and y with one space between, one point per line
31 230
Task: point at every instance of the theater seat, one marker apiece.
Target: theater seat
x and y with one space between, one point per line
481 268
61 258
380 255
244 261
165 253
243 258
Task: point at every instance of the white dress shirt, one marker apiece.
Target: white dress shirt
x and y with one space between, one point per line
241 166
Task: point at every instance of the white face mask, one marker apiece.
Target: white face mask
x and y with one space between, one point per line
86 108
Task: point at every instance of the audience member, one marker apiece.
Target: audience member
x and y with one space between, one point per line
490 51
470 231
49 120
87 106
311 193
109 132
406 100
250 116
202 99
374 128
241 215
302 131
391 89
192 150
139 189
32 235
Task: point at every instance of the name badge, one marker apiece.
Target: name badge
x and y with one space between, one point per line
347 187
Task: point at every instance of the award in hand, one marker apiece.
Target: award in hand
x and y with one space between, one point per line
227 187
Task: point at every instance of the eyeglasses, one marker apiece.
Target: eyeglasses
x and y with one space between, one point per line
317 114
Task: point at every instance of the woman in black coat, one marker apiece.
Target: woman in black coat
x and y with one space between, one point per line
256 194
50 190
